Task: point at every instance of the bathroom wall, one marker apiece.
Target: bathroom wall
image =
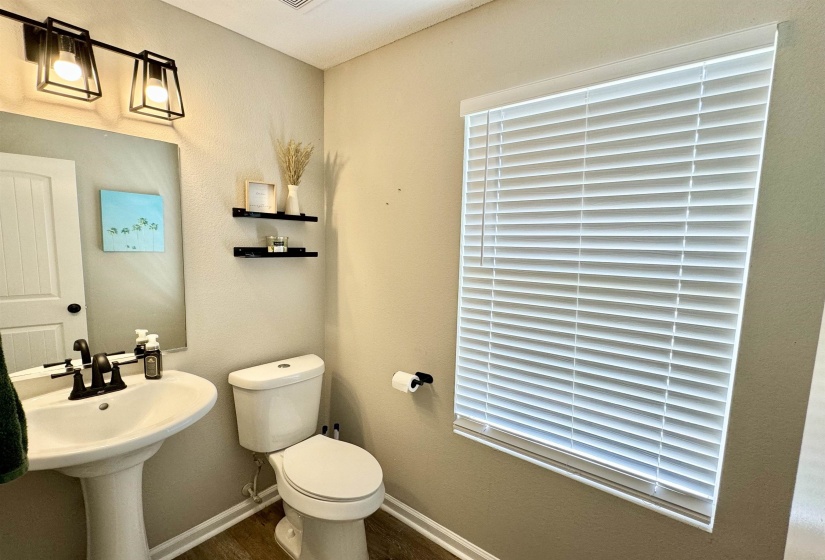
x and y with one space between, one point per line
806 533
393 138
239 97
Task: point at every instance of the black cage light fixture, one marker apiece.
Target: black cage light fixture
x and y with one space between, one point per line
65 60
155 87
66 66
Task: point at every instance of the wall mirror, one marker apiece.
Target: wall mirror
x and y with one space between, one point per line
90 241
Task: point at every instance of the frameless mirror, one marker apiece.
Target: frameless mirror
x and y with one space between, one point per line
90 241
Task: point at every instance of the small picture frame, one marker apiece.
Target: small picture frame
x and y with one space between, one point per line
261 197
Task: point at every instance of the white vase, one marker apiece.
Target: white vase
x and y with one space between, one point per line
292 206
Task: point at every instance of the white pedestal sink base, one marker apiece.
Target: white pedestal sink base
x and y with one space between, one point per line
105 447
114 516
113 492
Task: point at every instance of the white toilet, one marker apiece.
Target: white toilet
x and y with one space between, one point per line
328 486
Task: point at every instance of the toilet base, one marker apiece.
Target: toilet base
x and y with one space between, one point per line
288 538
319 539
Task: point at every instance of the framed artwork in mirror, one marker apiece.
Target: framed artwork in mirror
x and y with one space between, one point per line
131 222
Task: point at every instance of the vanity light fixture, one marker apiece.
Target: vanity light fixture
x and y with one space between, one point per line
66 66
155 87
65 60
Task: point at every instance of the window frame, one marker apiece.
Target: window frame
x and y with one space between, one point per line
594 473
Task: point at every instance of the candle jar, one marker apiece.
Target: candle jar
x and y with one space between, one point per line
276 244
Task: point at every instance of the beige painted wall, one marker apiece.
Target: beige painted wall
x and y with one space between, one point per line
239 97
393 138
124 291
806 533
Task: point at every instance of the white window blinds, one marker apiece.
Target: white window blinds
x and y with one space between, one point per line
605 245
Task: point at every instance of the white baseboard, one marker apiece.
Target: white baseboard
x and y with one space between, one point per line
176 546
439 534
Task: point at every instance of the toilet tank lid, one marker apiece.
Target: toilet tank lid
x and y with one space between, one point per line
278 374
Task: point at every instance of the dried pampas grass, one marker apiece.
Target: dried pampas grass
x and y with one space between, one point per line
294 158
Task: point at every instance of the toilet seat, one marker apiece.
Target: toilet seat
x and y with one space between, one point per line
330 470
320 508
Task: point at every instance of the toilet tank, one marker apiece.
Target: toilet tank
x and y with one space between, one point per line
276 404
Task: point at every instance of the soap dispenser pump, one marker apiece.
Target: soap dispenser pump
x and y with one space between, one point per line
140 343
152 359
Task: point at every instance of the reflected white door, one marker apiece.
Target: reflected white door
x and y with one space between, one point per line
41 269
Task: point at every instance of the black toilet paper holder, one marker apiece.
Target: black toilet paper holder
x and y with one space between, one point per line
422 379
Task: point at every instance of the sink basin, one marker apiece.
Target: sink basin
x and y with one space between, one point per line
64 433
105 440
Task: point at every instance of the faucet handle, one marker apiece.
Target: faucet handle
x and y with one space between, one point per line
124 363
78 388
66 362
116 381
65 373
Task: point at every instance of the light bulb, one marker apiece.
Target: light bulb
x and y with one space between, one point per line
155 91
67 67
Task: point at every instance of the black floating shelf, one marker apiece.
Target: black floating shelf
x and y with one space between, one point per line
263 253
242 213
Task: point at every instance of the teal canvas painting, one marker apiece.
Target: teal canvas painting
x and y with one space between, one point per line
132 222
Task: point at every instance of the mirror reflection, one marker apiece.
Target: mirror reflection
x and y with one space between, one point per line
90 241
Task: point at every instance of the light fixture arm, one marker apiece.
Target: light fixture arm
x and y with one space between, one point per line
39 25
64 54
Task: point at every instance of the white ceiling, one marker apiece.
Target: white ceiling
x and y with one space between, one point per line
326 32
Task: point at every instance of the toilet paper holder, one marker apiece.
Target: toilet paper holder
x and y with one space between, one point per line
422 378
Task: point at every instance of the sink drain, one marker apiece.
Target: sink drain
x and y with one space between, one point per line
103 406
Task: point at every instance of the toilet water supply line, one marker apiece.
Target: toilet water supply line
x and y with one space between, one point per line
250 489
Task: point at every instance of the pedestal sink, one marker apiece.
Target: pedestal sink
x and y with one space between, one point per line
104 442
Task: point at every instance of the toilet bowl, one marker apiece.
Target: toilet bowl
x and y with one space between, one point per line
328 486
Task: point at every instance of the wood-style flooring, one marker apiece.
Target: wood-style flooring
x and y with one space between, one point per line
254 539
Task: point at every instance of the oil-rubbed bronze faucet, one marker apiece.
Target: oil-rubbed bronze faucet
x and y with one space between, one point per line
100 364
80 345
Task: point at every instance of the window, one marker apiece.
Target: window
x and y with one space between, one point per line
605 244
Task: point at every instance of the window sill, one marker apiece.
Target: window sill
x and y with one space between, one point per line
588 479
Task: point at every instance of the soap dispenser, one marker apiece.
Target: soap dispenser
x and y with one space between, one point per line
152 360
140 343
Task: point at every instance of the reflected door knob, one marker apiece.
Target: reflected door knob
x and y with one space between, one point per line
74 308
